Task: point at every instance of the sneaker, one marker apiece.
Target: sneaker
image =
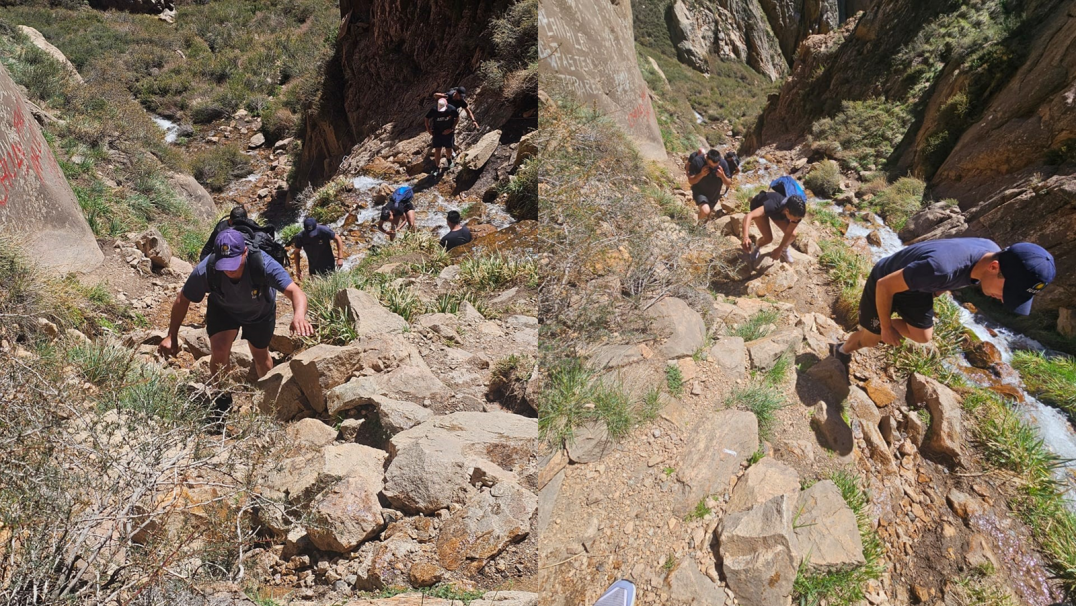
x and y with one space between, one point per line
434 172
786 256
843 358
450 163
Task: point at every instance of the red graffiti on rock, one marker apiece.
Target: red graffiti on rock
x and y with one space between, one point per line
14 162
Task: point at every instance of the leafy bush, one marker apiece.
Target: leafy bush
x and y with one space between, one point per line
867 132
1053 379
824 179
898 202
215 167
521 200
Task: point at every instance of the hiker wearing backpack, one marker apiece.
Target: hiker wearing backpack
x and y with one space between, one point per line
236 219
241 282
785 212
441 124
457 97
317 241
399 208
707 172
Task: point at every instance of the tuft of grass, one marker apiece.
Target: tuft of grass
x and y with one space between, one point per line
215 167
848 270
759 325
744 195
700 511
763 400
978 588
670 563
824 179
674 379
844 588
898 202
779 371
931 359
757 455
498 270
668 471
822 214
1052 379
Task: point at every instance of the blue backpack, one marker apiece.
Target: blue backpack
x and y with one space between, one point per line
787 186
402 194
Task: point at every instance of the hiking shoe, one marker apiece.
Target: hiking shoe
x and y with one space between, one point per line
752 257
843 358
434 172
786 256
450 163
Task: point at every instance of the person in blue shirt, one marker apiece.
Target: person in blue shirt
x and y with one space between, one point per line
906 282
317 241
241 284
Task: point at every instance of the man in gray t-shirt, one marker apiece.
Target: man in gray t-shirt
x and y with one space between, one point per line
242 286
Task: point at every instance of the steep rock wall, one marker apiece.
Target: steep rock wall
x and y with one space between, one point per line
588 47
38 210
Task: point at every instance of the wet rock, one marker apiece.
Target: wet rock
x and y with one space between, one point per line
832 375
730 355
833 431
489 522
367 314
720 443
427 475
826 529
761 482
589 443
944 439
874 238
688 587
983 354
764 353
684 326
757 552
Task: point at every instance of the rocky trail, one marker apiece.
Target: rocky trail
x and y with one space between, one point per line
701 507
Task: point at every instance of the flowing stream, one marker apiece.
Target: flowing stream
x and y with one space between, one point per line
171 129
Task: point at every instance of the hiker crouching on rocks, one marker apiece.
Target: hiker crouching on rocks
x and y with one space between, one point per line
240 282
785 212
707 172
906 283
399 208
317 241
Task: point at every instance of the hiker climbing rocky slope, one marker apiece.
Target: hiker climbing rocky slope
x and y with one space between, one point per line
972 98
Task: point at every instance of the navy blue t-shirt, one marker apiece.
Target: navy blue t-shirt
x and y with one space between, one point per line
242 300
460 103
318 247
456 238
773 202
710 185
936 266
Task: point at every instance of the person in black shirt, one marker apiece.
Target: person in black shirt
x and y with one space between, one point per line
907 281
457 97
441 124
707 173
457 235
785 212
238 217
317 241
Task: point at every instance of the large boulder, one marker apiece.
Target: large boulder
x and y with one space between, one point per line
719 444
486 525
478 154
502 437
682 328
764 480
397 416
757 551
573 36
155 247
197 198
826 529
765 352
346 514
38 210
366 313
692 31
944 440
730 355
323 367
281 395
427 475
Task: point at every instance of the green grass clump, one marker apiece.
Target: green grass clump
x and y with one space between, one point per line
215 167
674 379
699 512
824 179
759 325
978 588
327 204
498 270
930 359
866 133
764 400
521 193
898 202
744 195
1052 379
848 270
823 215
844 588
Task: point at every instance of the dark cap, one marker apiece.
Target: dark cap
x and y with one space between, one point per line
229 248
238 212
1028 269
386 214
462 91
310 224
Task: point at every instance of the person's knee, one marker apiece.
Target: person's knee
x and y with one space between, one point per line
920 335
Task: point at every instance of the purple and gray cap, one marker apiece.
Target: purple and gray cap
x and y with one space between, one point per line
229 248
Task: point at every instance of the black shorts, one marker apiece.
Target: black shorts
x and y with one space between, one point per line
915 308
327 269
701 199
448 140
257 334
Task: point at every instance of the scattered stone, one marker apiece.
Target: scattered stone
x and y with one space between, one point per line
311 432
879 392
589 443
349 513
877 448
720 443
862 407
489 522
963 504
826 529
281 395
424 574
350 428
756 552
764 480
983 354
152 244
874 238
256 141
979 553
684 326
730 354
944 439
764 353
427 475
478 154
688 586
915 429
1066 321
397 416
367 314
512 437
322 368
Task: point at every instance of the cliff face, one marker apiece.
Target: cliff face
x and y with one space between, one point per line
392 56
38 210
588 47
993 127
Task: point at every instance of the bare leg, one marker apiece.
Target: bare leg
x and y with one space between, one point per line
704 212
860 339
919 335
220 346
410 217
437 158
263 363
763 224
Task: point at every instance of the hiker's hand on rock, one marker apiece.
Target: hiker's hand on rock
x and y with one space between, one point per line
301 327
168 347
890 336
